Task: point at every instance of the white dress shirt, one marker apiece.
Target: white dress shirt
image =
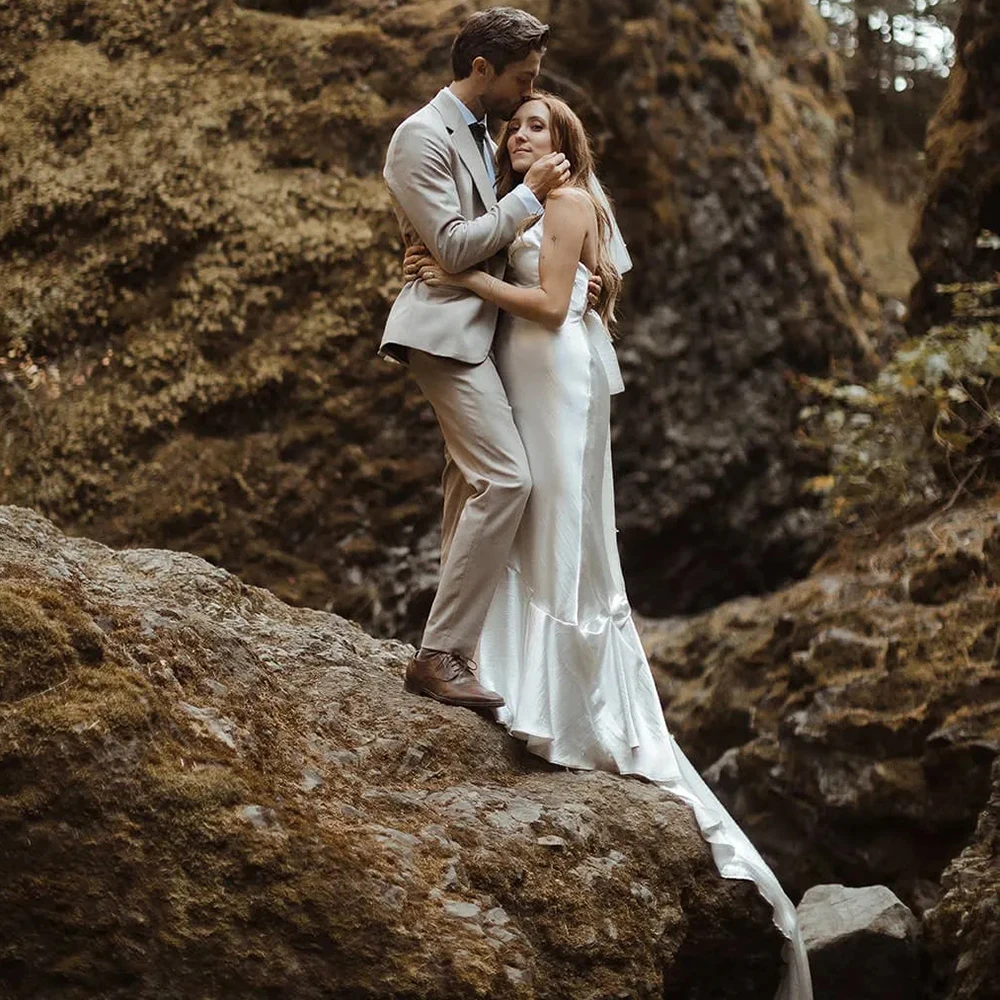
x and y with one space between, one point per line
527 196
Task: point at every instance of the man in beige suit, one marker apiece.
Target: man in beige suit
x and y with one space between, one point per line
439 168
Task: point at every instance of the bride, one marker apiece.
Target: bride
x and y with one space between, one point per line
559 643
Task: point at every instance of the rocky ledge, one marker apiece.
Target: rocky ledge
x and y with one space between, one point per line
858 711
207 792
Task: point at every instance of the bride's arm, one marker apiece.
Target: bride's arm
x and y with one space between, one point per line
566 225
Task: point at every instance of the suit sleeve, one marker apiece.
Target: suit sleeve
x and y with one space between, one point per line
418 171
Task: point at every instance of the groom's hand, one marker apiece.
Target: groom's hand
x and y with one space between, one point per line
416 257
594 287
547 173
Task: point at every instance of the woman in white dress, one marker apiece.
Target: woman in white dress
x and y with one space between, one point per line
559 642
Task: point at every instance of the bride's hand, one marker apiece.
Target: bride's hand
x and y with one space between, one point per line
594 286
434 276
416 257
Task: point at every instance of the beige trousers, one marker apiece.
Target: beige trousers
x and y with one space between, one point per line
486 483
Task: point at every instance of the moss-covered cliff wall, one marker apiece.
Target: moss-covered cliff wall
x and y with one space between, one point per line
198 257
963 163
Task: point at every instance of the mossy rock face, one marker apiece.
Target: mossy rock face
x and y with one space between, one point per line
206 792
199 257
963 929
858 710
963 164
41 637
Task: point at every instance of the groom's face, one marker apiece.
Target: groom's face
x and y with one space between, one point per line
508 89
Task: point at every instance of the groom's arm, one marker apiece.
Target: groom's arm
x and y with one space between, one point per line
418 171
568 215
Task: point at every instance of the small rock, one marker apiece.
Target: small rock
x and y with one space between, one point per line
500 936
862 943
311 780
211 722
411 761
498 915
642 894
517 976
556 843
400 843
434 833
526 812
464 911
260 817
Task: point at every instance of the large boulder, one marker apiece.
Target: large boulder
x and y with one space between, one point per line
207 792
963 162
857 711
199 256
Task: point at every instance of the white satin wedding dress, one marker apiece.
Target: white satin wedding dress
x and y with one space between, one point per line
559 642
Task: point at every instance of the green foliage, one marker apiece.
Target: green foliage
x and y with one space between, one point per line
926 430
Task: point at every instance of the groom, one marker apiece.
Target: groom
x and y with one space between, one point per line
439 168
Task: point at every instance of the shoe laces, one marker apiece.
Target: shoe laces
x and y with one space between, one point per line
459 665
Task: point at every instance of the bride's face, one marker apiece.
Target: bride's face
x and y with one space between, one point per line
529 135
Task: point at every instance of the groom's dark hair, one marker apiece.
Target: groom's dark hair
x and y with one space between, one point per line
501 35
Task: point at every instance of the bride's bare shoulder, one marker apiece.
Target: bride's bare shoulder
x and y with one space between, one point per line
572 203
570 195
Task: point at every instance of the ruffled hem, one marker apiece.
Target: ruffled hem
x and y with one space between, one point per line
581 695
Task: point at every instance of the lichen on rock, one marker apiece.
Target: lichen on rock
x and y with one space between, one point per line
856 711
207 792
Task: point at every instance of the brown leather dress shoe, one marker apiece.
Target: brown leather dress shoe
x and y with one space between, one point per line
449 678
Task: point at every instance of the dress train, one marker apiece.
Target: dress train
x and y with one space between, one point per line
559 643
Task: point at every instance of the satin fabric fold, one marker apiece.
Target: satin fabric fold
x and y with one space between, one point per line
559 643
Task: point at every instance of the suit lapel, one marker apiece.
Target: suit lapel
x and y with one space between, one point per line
465 144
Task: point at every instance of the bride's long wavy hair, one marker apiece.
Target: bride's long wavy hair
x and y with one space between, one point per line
570 137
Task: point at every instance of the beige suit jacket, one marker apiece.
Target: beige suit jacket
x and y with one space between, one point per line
442 196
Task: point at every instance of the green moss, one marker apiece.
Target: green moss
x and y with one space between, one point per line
924 432
42 636
199 255
128 836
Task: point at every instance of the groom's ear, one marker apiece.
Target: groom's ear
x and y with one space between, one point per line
483 68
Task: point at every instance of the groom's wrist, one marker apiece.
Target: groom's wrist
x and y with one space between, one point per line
529 199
